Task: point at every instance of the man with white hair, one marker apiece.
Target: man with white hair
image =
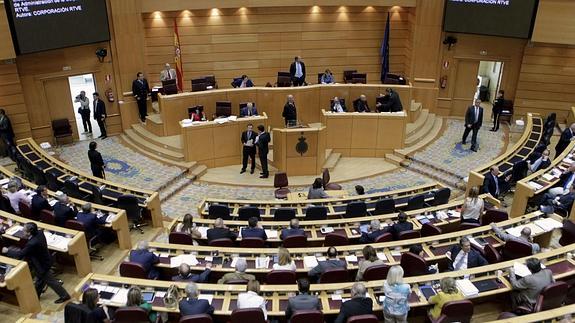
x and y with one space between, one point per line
239 274
64 210
359 304
168 73
191 305
525 236
146 258
360 104
374 232
15 195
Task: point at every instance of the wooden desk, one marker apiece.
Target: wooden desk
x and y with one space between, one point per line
19 280
302 196
365 134
299 151
214 144
39 158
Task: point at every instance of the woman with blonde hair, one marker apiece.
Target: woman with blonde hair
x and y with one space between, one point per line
135 299
472 208
369 259
448 293
284 260
252 299
395 305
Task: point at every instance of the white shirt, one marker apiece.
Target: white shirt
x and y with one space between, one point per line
252 300
460 261
16 197
337 107
291 266
298 70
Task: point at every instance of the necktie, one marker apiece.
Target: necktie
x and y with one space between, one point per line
476 114
458 264
249 112
249 135
496 185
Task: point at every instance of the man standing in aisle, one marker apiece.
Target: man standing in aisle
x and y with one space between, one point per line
84 111
263 140
297 72
473 121
100 114
248 140
140 90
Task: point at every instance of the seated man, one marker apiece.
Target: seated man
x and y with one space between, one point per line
63 210
191 305
418 250
566 180
220 231
249 110
332 262
337 105
40 202
527 289
563 202
359 190
462 256
90 221
401 225
360 105
293 230
539 161
185 274
374 232
525 237
303 300
495 185
243 81
359 304
146 258
239 274
254 230
16 195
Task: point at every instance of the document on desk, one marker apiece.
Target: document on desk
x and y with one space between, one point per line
515 231
262 262
548 224
121 297
4 181
466 287
235 261
309 261
203 231
381 256
56 241
351 259
520 269
207 297
111 217
13 229
272 234
548 177
183 259
534 185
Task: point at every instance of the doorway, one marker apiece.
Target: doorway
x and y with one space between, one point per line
77 84
488 80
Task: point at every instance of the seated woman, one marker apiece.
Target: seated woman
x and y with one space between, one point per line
97 314
284 260
472 208
369 260
135 299
449 292
316 190
187 226
198 114
252 299
327 77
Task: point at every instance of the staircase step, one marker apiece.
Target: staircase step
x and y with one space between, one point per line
331 160
148 151
172 143
430 137
415 106
395 159
421 132
155 118
197 171
413 127
146 144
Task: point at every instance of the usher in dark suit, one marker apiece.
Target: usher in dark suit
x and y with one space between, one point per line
263 142
100 116
474 119
249 151
96 163
564 141
140 90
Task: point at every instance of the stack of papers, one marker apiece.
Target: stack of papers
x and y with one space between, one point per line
521 270
309 261
272 234
381 256
56 241
13 230
548 177
476 243
548 224
351 259
121 297
466 287
454 214
183 259
534 185
262 262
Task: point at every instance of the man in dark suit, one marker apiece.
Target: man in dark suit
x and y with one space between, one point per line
38 257
360 104
566 179
220 231
243 81
495 185
473 122
303 300
290 112
293 230
332 262
566 136
262 141
498 105
563 202
374 232
249 110
249 148
40 202
63 210
140 90
359 304
191 305
100 114
392 102
462 256
539 161
90 221
253 230
401 225
146 258
6 130
185 274
297 72
96 162
338 105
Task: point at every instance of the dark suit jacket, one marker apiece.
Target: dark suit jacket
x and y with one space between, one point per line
498 105
238 82
564 140
245 139
353 307
563 179
254 233
489 185
99 110
301 302
201 278
35 252
566 201
290 112
398 228
38 204
474 258
393 104
96 161
263 143
147 259
195 306
322 266
370 237
221 233
292 70
342 106
360 106
470 117
244 111
91 222
62 213
291 232
140 89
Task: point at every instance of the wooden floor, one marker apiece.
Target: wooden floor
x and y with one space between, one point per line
347 169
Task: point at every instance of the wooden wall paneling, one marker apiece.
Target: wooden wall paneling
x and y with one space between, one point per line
7 48
57 96
554 22
12 100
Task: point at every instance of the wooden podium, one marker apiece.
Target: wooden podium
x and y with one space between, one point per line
299 151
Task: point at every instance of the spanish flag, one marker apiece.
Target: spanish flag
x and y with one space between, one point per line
178 58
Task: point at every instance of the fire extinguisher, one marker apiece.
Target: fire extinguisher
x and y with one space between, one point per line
443 82
109 94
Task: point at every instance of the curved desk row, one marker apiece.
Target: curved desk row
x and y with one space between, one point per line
521 150
17 278
39 158
118 222
335 206
390 252
224 297
62 240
